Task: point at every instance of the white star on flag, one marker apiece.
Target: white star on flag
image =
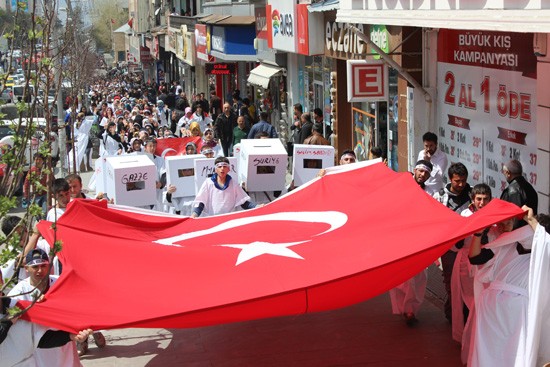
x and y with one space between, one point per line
254 249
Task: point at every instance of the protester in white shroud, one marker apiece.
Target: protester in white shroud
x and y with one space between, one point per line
110 143
407 297
202 118
184 123
150 146
220 194
462 280
509 328
82 128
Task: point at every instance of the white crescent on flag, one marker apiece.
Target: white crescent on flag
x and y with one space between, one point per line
332 218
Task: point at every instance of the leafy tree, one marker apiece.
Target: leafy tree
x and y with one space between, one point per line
107 11
44 45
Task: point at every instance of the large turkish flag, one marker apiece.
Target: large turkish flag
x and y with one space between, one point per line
340 240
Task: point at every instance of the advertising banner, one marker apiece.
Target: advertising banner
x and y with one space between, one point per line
281 25
202 42
487 88
261 22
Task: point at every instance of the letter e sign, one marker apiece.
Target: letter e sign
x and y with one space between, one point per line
367 81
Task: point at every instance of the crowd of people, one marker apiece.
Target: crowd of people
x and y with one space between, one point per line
486 285
487 275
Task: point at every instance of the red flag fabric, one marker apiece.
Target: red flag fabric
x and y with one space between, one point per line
131 22
113 21
340 240
176 146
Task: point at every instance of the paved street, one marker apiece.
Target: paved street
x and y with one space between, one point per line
366 334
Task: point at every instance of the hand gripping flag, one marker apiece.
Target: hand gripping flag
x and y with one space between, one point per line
342 239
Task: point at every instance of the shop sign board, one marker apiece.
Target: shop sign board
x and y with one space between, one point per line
218 39
170 43
202 42
156 47
130 58
261 22
367 81
145 55
381 38
487 84
187 51
309 31
340 41
281 25
221 68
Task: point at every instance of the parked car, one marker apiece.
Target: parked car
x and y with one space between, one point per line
19 78
5 128
7 95
10 81
18 92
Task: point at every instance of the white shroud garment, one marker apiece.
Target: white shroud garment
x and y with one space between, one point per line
537 344
462 289
501 302
408 296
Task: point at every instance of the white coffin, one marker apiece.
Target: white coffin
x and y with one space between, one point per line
308 160
131 180
180 172
204 168
262 164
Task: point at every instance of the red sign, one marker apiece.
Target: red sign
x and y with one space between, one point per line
145 55
261 23
511 135
367 81
221 68
461 122
130 57
202 42
303 29
495 50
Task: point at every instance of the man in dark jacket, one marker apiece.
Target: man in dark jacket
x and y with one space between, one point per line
307 127
215 105
223 128
519 191
455 196
262 126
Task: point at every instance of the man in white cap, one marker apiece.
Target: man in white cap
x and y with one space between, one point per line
37 284
19 338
